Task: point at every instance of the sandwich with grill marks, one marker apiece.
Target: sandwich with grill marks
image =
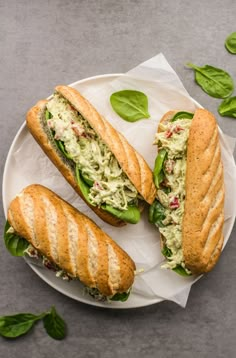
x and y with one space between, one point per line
47 228
188 174
96 160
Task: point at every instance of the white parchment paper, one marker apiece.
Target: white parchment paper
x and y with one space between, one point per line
165 91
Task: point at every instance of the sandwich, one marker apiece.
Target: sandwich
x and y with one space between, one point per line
44 227
188 175
96 160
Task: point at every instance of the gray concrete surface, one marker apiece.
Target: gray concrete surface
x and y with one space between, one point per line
43 43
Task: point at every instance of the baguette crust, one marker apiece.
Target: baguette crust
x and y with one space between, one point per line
71 240
203 219
131 162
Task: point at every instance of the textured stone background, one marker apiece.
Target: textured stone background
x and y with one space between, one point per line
43 43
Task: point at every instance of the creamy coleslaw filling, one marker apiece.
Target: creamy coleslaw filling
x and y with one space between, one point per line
110 185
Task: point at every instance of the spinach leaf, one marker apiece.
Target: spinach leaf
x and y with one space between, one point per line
15 244
131 215
61 147
182 115
230 43
228 107
86 179
48 115
54 325
156 214
214 81
121 296
18 324
166 251
84 187
158 173
130 105
181 271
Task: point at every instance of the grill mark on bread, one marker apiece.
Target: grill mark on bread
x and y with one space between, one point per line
51 224
113 268
216 183
92 252
212 216
27 208
73 241
213 236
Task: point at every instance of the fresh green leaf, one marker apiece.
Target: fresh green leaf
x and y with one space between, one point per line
130 105
48 115
157 214
61 147
230 43
182 115
166 251
15 244
181 271
86 179
228 107
54 325
214 81
84 187
17 325
158 173
131 215
121 296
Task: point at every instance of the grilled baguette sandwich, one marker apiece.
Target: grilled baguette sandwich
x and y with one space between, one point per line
70 243
96 160
189 178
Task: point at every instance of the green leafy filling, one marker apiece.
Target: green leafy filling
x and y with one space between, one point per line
15 244
182 115
156 213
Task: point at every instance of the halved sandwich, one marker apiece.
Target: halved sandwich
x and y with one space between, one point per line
97 161
43 226
188 174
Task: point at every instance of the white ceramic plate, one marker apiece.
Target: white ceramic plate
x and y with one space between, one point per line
14 180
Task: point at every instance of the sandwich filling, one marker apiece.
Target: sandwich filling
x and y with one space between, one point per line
169 176
99 175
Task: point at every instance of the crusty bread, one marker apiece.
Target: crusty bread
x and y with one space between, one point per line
130 161
202 225
71 240
204 203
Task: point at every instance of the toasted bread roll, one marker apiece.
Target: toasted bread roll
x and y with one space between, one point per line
196 217
131 162
70 240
